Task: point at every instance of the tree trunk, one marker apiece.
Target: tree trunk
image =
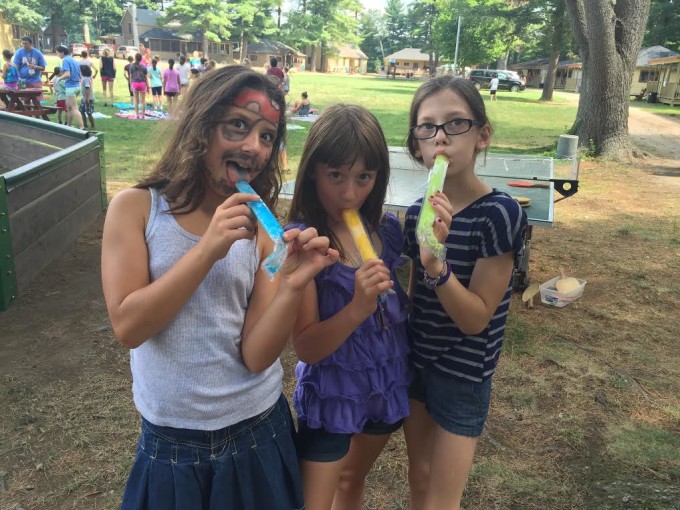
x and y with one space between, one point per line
86 32
206 42
609 35
244 45
312 66
557 22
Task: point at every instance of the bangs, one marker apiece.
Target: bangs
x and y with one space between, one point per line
346 147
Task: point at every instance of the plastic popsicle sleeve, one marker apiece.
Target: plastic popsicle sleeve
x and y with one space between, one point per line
273 229
424 230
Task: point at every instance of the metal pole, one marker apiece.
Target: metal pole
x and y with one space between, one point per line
455 57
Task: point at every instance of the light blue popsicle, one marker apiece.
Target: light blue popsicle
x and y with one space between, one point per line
273 229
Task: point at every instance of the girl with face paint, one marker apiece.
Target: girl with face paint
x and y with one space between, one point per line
205 327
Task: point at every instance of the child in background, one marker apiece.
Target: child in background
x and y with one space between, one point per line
156 84
86 61
184 70
10 73
350 335
59 87
460 305
126 73
171 84
139 81
87 91
205 327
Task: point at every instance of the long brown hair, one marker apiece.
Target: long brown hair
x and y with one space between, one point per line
342 135
181 174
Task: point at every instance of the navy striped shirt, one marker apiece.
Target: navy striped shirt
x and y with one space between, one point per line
492 225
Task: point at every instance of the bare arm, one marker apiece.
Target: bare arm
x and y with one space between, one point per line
315 340
470 308
274 304
139 308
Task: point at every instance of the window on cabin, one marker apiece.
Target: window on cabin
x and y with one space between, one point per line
646 76
129 28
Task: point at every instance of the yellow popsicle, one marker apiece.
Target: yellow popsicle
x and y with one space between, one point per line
356 228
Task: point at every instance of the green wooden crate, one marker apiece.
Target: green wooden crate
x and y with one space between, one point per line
52 185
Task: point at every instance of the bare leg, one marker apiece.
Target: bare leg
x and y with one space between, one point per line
363 452
419 430
136 103
319 480
142 96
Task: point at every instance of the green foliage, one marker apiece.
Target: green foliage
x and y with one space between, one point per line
662 27
212 18
23 12
373 33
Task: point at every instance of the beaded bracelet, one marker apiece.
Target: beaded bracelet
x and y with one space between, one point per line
440 279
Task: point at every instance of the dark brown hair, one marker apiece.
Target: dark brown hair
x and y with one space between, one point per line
181 174
464 88
342 135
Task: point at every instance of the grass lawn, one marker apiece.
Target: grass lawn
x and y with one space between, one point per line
522 124
585 412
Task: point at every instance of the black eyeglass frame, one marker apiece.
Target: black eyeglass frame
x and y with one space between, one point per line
437 127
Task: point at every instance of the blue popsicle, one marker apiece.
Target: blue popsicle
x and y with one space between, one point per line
273 229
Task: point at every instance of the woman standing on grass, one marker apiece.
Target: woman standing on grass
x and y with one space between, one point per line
108 73
171 84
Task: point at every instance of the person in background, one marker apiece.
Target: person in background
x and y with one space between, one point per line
70 71
10 73
59 86
171 84
286 81
274 70
126 73
87 91
139 81
31 63
184 70
493 87
85 60
108 74
156 85
300 106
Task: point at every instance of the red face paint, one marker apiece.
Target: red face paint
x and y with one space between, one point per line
259 103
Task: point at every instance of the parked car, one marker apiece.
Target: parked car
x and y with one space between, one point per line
78 48
125 51
97 50
508 80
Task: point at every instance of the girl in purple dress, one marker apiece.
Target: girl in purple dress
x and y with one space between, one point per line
350 333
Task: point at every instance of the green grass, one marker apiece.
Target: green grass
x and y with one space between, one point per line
521 123
659 108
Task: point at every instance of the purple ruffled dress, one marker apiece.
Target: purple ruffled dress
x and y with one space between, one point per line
367 377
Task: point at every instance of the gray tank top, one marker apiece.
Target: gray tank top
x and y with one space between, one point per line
191 374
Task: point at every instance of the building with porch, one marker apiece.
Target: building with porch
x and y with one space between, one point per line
345 59
644 70
259 54
667 86
567 77
408 60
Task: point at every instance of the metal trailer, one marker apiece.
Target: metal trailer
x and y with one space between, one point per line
52 185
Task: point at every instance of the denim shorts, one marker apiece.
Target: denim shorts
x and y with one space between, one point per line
319 445
456 405
251 465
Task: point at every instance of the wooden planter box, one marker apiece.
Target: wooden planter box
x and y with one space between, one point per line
52 185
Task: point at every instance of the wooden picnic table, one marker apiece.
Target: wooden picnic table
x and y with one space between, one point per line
24 102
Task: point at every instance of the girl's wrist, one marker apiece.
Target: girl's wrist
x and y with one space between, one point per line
433 269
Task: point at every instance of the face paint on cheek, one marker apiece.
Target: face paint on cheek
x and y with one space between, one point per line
259 103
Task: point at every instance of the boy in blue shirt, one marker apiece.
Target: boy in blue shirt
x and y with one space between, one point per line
70 72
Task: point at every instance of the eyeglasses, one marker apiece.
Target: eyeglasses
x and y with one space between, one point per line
452 127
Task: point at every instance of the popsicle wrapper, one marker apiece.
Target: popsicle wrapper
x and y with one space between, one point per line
356 228
272 227
424 230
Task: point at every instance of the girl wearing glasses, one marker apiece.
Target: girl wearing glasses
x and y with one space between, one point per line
460 304
353 373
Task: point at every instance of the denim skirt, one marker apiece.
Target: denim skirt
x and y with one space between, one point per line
251 465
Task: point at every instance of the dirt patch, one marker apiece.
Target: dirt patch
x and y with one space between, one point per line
571 382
